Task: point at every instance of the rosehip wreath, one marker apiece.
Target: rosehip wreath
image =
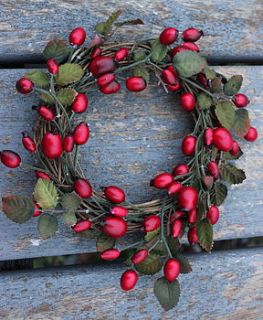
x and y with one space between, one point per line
195 189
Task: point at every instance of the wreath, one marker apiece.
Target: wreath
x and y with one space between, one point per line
195 188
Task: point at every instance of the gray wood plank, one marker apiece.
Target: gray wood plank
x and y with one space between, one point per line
133 138
229 287
233 29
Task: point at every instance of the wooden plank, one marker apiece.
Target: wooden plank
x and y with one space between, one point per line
233 29
133 138
229 287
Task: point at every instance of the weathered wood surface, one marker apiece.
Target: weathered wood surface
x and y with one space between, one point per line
233 29
133 138
224 285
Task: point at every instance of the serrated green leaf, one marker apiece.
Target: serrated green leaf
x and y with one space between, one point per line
185 266
47 99
47 225
225 114
167 293
220 193
18 209
139 55
105 27
202 206
39 78
242 123
129 22
151 235
66 96
233 85
174 244
189 63
204 101
216 85
46 194
104 242
209 73
142 72
205 234
58 50
159 51
151 265
229 156
232 174
69 218
70 202
69 73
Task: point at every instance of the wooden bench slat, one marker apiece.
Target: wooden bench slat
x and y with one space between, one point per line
133 137
224 285
233 28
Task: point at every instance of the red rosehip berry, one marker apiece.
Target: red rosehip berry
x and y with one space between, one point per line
128 280
192 34
192 236
68 143
105 79
42 175
187 101
139 256
191 46
10 159
101 65
213 169
176 228
171 269
174 187
52 66
162 181
121 54
110 254
81 133
24 86
151 223
169 77
28 142
176 50
114 227
222 139
82 226
188 145
235 149
45 112
77 36
192 216
201 78
135 84
110 88
188 197
114 194
240 100
180 170
37 210
176 215
208 136
251 135
119 211
213 214
95 52
175 87
52 145
80 103
83 188
168 36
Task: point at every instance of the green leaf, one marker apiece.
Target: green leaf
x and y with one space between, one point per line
18 209
167 293
202 206
185 266
225 114
233 85
70 202
174 244
66 96
220 193
69 218
242 123
139 55
46 194
142 72
58 50
69 73
47 99
151 235
209 73
204 101
205 234
232 174
47 225
151 265
159 51
104 242
40 78
129 22
106 27
216 85
188 63
229 156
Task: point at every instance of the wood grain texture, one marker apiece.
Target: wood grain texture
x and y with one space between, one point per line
134 136
233 29
224 285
